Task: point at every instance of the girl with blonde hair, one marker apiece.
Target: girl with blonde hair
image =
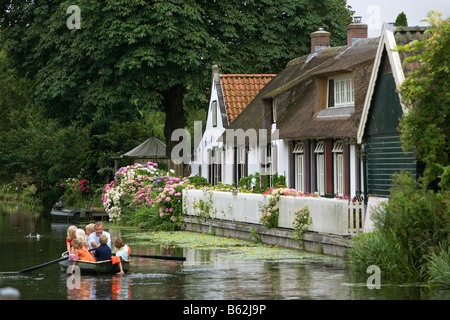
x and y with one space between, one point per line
71 234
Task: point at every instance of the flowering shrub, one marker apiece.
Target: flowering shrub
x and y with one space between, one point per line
140 185
76 192
84 186
270 211
301 222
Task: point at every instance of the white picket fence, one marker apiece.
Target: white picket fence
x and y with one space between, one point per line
356 217
332 216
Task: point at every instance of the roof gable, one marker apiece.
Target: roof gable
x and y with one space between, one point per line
240 89
390 38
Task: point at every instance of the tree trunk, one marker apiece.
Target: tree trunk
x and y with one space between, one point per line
173 107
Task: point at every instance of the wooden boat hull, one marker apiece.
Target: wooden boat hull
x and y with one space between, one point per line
102 267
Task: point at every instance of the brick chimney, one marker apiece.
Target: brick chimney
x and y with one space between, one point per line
320 39
356 30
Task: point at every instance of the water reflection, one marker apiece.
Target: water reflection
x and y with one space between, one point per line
114 287
206 274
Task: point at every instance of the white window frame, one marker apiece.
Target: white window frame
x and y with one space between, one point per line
320 167
300 172
344 93
298 151
338 151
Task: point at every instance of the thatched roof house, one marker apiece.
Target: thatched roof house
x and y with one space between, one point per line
315 103
300 94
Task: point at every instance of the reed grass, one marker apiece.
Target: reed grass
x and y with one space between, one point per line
413 224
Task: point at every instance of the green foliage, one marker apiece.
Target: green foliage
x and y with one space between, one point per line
412 224
203 209
251 182
439 266
401 20
113 138
254 236
199 181
424 91
44 151
147 218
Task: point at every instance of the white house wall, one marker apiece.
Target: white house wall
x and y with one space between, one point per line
209 138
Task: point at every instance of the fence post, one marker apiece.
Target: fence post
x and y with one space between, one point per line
356 215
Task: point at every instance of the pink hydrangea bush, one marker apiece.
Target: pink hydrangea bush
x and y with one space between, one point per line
142 185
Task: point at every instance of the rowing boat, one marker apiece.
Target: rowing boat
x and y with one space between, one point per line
105 266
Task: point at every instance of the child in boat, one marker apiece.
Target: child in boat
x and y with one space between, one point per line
81 251
81 235
89 229
71 234
103 252
122 253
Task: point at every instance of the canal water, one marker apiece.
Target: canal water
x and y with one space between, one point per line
206 274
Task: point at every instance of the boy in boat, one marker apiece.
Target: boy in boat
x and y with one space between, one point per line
89 230
103 252
122 253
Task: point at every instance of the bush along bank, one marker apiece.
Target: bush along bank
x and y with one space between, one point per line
411 235
144 196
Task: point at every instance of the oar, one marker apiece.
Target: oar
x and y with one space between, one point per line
43 265
158 257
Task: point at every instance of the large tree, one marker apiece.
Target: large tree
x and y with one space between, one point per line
137 55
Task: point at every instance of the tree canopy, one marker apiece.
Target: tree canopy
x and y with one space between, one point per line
131 56
401 20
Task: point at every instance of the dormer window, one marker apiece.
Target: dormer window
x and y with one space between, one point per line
340 92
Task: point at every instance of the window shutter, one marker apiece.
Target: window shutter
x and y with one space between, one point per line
214 113
330 93
274 159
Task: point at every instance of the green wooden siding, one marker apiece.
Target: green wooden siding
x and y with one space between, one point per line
385 155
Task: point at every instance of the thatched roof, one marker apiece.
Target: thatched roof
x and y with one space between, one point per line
300 94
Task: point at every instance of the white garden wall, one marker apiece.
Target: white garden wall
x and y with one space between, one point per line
328 215
243 207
